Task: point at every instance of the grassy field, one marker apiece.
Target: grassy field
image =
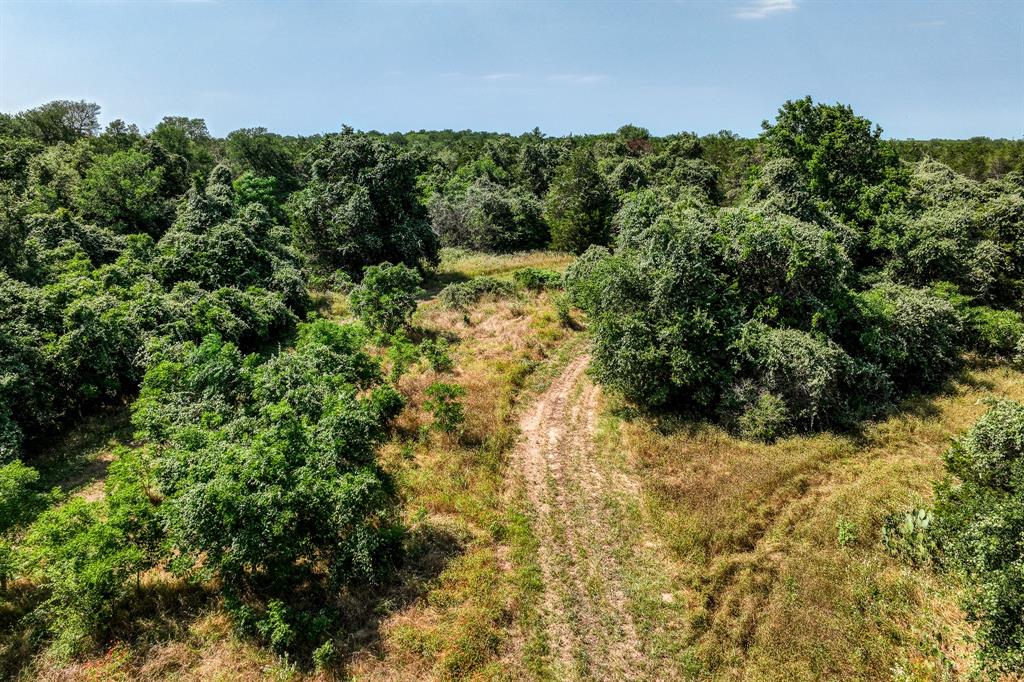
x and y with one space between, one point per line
778 567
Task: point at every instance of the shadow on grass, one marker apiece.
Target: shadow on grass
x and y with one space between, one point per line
438 281
77 457
688 421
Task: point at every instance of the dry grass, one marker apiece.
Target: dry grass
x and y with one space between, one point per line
475 620
780 565
465 264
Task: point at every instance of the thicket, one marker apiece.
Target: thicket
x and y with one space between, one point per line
842 281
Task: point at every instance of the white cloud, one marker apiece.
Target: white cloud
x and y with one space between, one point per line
937 23
762 9
578 77
500 76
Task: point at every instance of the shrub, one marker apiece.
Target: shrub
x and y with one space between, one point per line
267 467
436 351
993 332
386 298
402 353
583 279
764 419
361 206
489 217
85 564
909 333
19 498
460 295
789 273
807 376
443 403
662 315
536 279
979 515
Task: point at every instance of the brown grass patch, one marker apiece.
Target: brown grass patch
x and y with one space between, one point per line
779 544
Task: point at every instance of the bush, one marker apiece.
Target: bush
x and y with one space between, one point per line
443 403
809 378
402 354
535 279
979 515
790 273
910 334
765 418
361 207
460 295
436 351
267 467
85 563
386 298
995 333
489 217
583 279
663 315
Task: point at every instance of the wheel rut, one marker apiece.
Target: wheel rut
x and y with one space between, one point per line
585 608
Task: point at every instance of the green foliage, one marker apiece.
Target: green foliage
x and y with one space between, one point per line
489 217
437 353
360 207
997 333
536 279
662 314
460 295
267 467
911 334
979 517
443 403
840 154
765 418
789 273
579 205
910 536
583 279
402 354
386 298
19 498
126 191
85 564
817 383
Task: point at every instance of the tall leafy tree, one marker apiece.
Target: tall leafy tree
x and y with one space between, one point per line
361 207
841 153
579 205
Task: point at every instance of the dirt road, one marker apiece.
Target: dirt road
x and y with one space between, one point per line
575 495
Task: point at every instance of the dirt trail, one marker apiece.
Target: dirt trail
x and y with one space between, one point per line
591 633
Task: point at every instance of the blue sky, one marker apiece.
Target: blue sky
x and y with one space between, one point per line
918 68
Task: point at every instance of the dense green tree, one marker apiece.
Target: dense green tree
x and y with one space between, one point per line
126 191
841 154
60 121
360 207
282 477
489 217
579 205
